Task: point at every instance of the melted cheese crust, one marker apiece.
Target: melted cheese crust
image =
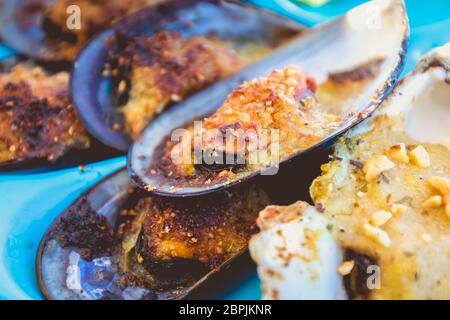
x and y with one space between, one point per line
416 263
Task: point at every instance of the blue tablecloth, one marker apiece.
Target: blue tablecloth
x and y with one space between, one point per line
30 201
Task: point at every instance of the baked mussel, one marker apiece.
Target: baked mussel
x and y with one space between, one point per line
39 126
162 54
55 30
119 242
379 227
38 123
290 106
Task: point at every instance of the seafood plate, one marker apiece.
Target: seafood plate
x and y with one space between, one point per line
124 240
237 140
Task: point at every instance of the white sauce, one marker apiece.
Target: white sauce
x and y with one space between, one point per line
311 271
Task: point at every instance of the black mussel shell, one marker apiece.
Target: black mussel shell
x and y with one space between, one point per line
77 257
20 22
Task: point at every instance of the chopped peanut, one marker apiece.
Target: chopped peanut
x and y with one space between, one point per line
420 157
380 217
377 234
346 267
440 184
432 202
398 209
377 165
398 152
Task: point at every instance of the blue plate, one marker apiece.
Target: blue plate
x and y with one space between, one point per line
29 202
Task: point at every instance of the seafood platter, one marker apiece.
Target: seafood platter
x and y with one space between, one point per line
229 139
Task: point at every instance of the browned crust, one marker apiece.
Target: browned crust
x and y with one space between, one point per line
283 101
83 228
164 68
210 230
37 119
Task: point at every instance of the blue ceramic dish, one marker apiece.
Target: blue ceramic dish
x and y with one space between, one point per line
29 201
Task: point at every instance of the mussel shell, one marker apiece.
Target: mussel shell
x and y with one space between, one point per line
340 45
227 20
22 28
421 97
98 276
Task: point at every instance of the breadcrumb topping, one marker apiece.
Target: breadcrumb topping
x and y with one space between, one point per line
37 118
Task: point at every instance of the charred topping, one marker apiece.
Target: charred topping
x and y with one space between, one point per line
183 239
30 112
85 230
202 175
55 33
150 72
224 222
